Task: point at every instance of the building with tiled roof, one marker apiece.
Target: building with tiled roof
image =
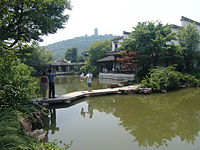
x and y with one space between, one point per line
111 60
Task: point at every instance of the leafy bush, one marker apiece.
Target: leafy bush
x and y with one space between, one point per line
13 137
90 68
161 78
17 87
49 146
196 72
11 133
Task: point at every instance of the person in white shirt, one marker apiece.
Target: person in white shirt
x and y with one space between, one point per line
81 76
89 77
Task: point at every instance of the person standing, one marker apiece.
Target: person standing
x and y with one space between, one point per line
44 85
51 77
89 77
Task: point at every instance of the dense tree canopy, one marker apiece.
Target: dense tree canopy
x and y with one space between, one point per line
23 22
128 61
71 54
80 58
98 51
189 40
152 40
17 85
154 43
27 20
38 59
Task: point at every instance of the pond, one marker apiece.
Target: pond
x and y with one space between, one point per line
126 122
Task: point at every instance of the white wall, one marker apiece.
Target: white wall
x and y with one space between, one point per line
118 44
125 36
185 23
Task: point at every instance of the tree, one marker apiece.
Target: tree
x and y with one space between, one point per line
22 22
17 87
166 78
38 59
189 40
26 20
98 51
152 41
71 54
129 61
80 58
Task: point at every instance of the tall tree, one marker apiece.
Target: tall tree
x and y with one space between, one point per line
27 20
71 54
189 39
152 41
98 51
80 58
39 58
129 61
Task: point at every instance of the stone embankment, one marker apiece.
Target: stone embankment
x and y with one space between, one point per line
34 129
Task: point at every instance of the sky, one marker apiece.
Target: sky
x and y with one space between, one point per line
116 16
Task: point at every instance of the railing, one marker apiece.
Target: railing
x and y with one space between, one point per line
117 76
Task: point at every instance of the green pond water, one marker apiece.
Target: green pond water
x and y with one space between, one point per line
126 122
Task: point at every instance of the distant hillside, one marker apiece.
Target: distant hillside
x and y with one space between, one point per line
81 43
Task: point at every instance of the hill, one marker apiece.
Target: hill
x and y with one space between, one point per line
81 43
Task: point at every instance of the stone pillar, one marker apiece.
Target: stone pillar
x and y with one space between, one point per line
59 69
67 68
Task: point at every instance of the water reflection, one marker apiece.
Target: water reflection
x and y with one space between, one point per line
154 120
157 121
89 110
49 122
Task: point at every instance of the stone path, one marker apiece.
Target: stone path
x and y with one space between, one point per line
68 98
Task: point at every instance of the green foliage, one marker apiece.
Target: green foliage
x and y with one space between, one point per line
81 43
71 54
24 21
153 42
98 51
11 132
189 39
90 68
51 145
80 58
196 72
39 59
13 136
46 146
17 85
161 78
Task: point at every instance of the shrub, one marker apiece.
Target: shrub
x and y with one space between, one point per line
161 78
17 87
196 72
11 133
13 137
90 68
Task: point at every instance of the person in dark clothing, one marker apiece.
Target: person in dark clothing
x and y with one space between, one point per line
51 77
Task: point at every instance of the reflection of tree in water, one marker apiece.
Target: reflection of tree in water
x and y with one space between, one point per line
89 110
50 122
156 119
